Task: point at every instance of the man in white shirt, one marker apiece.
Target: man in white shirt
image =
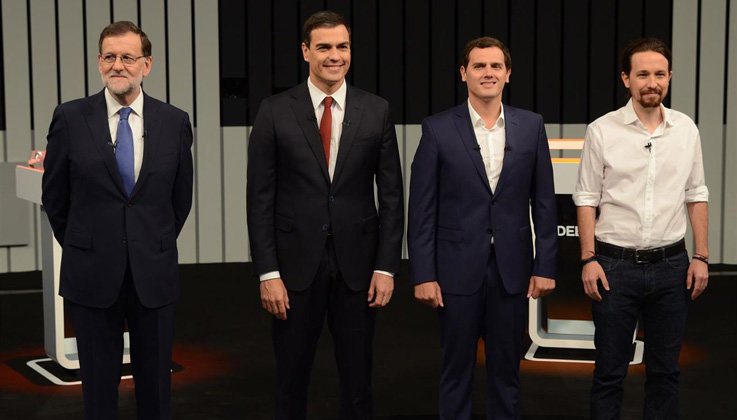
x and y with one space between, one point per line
320 246
641 166
480 171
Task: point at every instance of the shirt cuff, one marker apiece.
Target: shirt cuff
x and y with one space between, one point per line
269 276
697 194
386 273
583 198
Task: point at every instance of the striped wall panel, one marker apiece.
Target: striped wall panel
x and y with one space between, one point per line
218 60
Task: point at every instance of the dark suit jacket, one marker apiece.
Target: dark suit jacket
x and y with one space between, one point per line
99 228
453 213
293 206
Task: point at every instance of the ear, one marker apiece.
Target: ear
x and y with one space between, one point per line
99 64
509 73
305 50
147 65
626 80
463 73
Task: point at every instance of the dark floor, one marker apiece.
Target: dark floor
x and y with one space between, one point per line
223 345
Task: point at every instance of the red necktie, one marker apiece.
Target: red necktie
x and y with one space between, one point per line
326 127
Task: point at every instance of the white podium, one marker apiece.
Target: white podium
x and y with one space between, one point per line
573 334
59 348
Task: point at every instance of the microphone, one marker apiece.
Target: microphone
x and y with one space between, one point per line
507 149
477 148
346 124
113 145
145 132
649 145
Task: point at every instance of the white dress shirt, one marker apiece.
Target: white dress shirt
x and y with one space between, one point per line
491 141
641 182
135 119
338 112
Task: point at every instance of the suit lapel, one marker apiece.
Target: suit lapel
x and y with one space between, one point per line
351 122
468 138
510 131
305 114
151 140
97 122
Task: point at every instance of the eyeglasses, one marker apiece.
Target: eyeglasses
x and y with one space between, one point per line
128 60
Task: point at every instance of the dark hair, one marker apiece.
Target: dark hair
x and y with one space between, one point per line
642 45
323 19
121 28
486 42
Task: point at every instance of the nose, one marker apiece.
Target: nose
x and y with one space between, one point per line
334 54
118 64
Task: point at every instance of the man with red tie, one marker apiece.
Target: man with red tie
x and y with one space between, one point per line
320 246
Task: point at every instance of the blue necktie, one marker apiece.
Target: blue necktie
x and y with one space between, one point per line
124 151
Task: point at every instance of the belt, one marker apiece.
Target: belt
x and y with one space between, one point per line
640 256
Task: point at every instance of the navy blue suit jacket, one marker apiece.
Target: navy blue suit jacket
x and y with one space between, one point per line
453 213
99 228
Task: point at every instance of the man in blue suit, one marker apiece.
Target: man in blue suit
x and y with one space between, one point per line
478 169
117 189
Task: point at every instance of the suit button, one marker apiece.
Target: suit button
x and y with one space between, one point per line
489 231
125 242
325 228
129 204
331 198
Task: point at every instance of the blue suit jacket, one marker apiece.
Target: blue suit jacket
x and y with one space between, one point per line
453 213
100 229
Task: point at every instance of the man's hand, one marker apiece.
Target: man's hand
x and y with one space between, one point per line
274 297
697 277
429 294
380 290
591 274
540 286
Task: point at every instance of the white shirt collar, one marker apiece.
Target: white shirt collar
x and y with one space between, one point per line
630 115
317 95
477 121
113 106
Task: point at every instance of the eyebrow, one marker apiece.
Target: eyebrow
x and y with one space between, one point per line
326 44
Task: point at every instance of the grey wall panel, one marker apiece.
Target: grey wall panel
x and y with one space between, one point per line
44 93
43 57
126 10
685 36
181 95
399 129
209 146
4 252
234 194
97 16
18 111
729 248
71 50
412 134
153 22
711 112
572 131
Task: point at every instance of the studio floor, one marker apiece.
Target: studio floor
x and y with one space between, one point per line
223 345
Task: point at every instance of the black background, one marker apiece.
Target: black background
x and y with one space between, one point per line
564 52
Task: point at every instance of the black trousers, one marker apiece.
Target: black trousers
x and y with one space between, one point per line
351 323
99 335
